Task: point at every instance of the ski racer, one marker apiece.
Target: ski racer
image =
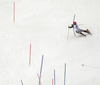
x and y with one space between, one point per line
77 29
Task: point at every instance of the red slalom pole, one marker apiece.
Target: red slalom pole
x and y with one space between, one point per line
52 82
14 12
30 56
38 78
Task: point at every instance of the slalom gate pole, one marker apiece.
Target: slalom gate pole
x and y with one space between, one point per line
73 22
65 75
14 12
41 69
30 56
22 82
38 78
52 82
54 78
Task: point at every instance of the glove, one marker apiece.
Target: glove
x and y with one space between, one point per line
68 27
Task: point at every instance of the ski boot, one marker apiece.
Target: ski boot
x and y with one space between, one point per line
88 32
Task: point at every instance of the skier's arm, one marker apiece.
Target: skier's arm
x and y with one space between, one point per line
70 26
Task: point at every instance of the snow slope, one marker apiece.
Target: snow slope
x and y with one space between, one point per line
43 23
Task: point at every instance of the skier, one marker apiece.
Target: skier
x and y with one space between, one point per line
77 29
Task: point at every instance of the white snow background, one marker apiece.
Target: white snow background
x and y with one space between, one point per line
44 24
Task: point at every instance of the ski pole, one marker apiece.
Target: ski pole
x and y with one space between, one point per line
68 34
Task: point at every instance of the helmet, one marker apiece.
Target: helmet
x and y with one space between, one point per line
74 23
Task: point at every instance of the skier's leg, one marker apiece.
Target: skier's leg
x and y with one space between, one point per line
87 31
83 30
81 33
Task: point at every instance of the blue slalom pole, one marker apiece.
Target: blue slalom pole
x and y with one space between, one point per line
22 82
65 75
54 78
41 69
